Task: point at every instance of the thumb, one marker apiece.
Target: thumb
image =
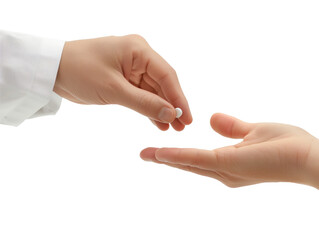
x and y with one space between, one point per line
148 104
229 126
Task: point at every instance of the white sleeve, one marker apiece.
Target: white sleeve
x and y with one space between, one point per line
28 69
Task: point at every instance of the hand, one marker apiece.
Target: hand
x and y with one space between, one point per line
269 152
126 71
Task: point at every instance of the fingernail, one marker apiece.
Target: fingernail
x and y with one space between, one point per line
166 115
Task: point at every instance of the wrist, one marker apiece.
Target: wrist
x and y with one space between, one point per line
312 164
61 70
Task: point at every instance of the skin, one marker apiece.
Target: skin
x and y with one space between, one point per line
125 71
269 152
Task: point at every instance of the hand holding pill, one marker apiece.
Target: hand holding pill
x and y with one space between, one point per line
126 71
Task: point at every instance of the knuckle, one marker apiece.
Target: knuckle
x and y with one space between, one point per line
135 40
225 159
193 161
169 75
135 44
173 71
136 37
219 157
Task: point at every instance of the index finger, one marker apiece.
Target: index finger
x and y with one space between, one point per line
162 73
203 159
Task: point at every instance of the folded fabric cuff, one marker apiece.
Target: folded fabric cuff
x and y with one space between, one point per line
28 69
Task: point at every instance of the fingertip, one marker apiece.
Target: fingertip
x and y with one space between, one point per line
177 125
164 128
186 117
180 129
215 119
229 126
161 126
148 154
190 120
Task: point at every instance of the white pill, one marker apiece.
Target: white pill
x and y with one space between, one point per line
179 112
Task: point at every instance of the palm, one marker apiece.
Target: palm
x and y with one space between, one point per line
268 152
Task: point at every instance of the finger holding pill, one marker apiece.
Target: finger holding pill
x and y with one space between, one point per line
177 124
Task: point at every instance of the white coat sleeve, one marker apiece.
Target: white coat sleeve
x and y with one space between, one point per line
28 69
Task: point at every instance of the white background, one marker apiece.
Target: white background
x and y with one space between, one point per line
78 175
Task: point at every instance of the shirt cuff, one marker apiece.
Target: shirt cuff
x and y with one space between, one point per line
28 69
